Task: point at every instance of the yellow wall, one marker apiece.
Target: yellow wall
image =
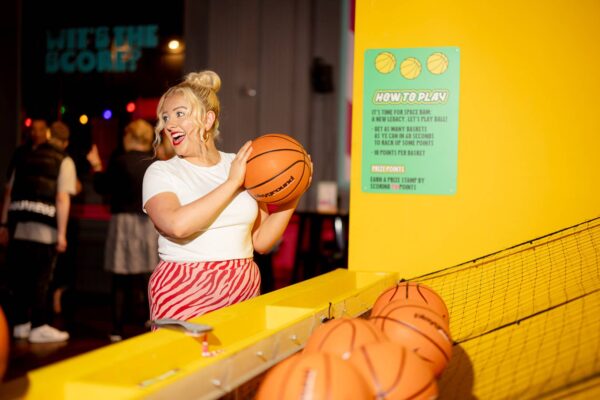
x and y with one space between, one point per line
528 135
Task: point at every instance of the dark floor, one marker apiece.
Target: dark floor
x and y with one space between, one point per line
88 323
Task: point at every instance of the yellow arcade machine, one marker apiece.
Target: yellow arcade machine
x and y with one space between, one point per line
475 170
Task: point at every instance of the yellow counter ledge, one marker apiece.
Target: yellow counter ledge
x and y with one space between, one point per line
247 339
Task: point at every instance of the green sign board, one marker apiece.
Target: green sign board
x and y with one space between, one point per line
410 120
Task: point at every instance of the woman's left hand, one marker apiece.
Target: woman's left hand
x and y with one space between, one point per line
237 173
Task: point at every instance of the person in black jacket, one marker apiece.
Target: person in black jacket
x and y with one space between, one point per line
131 250
38 133
42 181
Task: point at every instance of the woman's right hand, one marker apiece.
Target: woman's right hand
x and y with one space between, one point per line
237 173
93 157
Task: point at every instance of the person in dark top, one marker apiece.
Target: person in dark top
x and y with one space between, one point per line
42 181
131 250
39 133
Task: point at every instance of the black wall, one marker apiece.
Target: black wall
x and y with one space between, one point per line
9 82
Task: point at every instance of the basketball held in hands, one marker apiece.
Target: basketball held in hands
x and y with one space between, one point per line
278 169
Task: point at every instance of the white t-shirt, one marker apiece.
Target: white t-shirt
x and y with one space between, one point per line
229 236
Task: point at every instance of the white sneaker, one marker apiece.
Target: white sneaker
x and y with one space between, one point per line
47 334
21 331
115 338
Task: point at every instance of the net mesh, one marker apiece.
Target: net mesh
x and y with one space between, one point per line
526 320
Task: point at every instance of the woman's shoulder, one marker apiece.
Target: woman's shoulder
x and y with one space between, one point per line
164 165
227 157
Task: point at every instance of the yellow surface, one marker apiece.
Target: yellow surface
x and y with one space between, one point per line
528 130
248 337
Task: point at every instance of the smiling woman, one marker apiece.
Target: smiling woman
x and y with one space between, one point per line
209 225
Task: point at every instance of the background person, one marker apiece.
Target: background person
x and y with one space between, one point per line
41 185
38 133
131 250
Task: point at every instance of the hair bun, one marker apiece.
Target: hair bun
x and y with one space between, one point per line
204 79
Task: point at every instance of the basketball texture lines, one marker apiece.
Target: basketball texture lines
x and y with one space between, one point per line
278 170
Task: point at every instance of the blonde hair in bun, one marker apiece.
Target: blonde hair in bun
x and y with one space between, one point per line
204 79
200 90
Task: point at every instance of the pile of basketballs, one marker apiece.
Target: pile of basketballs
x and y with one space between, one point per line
399 352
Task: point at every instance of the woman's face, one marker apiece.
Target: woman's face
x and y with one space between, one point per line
181 129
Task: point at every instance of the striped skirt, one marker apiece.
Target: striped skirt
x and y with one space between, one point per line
186 290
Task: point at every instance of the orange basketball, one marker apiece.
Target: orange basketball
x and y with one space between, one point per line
418 328
412 293
278 169
394 372
4 344
313 376
342 336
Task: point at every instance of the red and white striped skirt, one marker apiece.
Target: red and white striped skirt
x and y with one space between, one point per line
186 290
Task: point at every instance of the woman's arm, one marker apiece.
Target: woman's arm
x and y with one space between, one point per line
63 205
177 221
269 228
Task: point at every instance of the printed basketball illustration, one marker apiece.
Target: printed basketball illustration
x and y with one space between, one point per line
385 62
437 63
410 68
